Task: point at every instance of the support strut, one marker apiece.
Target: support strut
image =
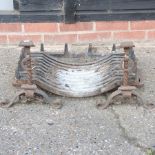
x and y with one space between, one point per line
29 90
126 91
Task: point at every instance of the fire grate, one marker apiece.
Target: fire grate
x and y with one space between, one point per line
73 75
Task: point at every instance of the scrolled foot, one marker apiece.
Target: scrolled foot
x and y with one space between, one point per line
111 97
139 98
43 95
15 99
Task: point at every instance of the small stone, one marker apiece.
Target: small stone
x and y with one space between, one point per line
50 122
57 104
5 102
100 105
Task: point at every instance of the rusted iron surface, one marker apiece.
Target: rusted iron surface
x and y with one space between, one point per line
78 75
29 90
125 90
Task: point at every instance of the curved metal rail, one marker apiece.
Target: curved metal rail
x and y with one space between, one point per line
75 79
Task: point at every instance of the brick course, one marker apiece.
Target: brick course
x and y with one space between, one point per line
11 27
132 35
12 33
112 26
76 27
40 27
94 36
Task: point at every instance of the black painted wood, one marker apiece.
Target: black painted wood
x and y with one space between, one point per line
70 11
101 5
118 16
40 5
69 8
132 4
93 5
16 4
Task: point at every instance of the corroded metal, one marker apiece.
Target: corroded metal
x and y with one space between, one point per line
29 90
125 90
78 75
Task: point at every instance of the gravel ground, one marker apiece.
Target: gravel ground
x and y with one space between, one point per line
79 128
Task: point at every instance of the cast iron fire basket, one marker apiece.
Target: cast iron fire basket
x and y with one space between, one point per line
76 75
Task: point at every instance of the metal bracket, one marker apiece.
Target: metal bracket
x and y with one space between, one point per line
125 90
29 90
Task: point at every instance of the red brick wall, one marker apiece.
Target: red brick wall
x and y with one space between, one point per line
80 32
